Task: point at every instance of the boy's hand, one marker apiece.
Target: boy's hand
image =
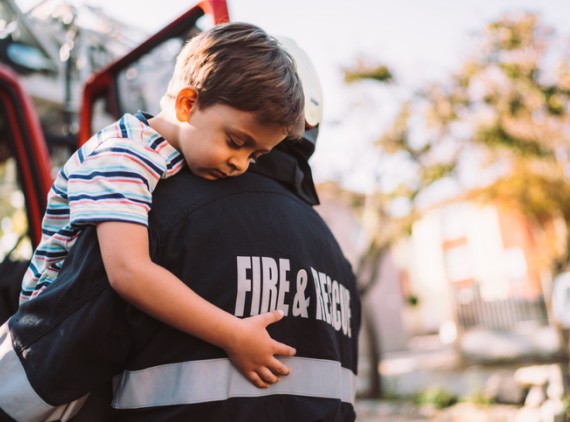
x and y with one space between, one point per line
253 351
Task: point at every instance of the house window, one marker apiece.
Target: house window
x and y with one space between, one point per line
453 221
515 264
457 263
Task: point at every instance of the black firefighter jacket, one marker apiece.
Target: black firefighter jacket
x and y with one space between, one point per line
246 244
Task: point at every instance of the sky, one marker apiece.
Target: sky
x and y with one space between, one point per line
419 40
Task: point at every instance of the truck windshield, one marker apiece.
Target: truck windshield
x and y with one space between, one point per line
15 245
19 47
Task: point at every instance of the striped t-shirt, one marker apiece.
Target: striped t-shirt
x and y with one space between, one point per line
110 178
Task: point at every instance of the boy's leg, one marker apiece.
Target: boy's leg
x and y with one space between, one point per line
11 274
68 341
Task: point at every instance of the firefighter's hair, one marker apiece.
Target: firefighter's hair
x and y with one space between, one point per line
240 65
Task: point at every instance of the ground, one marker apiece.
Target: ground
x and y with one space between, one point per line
428 365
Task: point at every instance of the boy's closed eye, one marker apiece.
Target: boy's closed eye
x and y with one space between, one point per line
235 143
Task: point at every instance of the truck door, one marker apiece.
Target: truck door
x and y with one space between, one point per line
138 80
25 178
134 82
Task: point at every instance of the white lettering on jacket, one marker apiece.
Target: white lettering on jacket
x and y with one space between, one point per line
265 283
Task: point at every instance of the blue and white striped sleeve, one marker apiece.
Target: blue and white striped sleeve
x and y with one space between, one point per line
115 183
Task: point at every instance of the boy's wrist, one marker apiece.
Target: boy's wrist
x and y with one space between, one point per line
229 333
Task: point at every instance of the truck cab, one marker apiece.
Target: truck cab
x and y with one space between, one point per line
30 156
25 178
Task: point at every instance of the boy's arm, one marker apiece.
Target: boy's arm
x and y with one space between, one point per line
158 292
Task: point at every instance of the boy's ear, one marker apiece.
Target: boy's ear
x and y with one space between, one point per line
185 103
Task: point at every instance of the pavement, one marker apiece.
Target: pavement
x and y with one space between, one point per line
429 364
383 411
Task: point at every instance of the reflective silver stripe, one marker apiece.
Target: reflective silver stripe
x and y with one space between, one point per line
17 397
217 379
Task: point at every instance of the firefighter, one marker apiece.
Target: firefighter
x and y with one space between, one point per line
249 245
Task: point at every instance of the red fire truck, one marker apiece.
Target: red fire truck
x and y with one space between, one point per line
27 158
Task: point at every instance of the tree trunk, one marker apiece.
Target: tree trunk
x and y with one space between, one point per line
368 269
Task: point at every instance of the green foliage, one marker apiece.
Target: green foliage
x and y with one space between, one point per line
515 32
555 100
495 136
516 104
396 138
377 73
435 172
566 404
435 396
496 108
544 196
479 398
412 300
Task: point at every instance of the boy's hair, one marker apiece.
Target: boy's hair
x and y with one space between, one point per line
240 65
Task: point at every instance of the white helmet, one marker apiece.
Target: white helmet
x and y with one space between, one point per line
310 80
288 163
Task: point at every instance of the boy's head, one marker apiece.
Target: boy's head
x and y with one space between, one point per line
241 66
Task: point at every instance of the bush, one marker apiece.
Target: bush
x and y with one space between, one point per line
436 396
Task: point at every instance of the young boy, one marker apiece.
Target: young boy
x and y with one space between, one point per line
234 95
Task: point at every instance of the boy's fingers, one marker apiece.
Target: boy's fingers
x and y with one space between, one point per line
282 349
271 317
278 368
256 380
267 376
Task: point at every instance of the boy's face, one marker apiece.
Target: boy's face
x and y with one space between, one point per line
221 141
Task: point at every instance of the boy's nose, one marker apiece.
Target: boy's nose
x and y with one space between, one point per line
238 164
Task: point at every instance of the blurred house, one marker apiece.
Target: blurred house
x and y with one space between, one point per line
469 272
383 302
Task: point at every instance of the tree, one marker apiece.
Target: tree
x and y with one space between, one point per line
509 106
498 128
506 114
